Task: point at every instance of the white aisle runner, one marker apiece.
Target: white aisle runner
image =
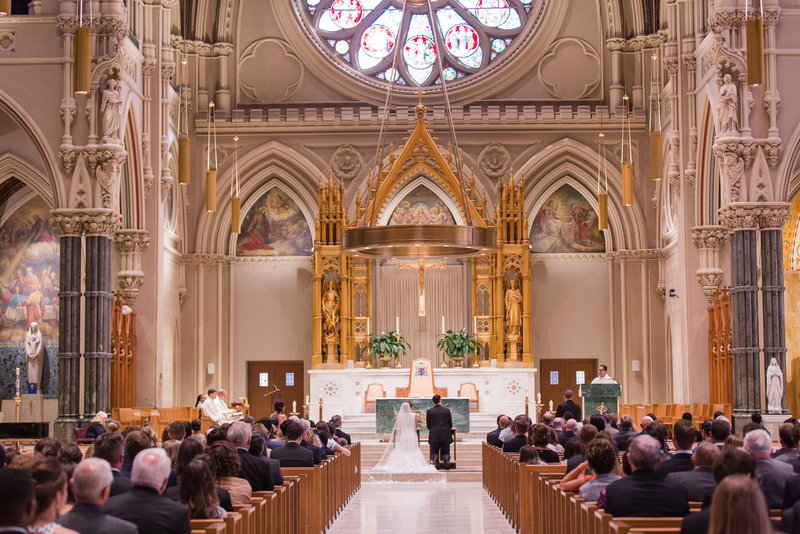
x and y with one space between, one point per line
454 507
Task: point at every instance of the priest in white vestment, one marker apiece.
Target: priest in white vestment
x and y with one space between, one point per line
602 376
211 407
228 415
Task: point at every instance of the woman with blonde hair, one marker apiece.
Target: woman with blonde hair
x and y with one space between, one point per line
739 507
732 443
96 427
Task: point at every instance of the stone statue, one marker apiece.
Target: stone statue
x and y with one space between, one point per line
727 106
111 107
330 309
774 387
34 354
513 302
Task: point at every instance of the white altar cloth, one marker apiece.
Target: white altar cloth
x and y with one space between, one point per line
501 390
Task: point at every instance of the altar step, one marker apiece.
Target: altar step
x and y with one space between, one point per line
468 459
362 426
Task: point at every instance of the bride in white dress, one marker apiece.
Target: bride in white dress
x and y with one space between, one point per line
403 461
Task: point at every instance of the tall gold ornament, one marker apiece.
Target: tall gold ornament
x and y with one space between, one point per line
5 8
236 201
184 161
627 164
755 51
211 174
82 62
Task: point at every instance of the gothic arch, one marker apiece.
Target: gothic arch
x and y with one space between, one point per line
270 164
12 166
570 158
707 193
788 182
130 191
55 194
387 210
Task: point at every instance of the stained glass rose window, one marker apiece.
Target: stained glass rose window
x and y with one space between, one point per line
472 34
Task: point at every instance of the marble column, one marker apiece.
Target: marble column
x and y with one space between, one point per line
68 225
99 229
772 288
742 221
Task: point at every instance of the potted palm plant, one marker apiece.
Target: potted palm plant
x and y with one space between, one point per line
457 345
387 346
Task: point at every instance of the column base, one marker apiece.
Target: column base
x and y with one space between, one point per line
64 428
773 421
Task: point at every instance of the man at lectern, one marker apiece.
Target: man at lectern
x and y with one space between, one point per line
602 376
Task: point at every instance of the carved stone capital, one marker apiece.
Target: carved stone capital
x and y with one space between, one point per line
772 149
66 222
148 67
102 222
709 280
689 62
740 216
67 155
129 283
66 24
772 16
616 44
671 64
661 289
639 254
131 241
773 217
709 237
167 71
166 183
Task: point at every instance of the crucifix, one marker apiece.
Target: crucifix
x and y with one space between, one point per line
421 266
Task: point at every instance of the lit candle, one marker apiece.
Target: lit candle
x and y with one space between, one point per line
526 393
538 398
442 324
397 324
308 400
367 325
474 325
294 406
551 406
17 395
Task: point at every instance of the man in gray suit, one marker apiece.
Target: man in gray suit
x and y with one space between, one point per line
91 485
699 482
772 475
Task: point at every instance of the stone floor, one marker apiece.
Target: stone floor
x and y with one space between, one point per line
452 507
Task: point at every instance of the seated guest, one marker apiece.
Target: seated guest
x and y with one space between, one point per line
197 427
732 442
196 490
573 448
772 475
739 506
339 433
227 413
48 447
599 421
278 413
645 493
705 430
91 484
110 447
493 437
188 451
96 427
601 459
145 505
788 435
50 486
569 406
257 448
135 442
529 455
645 422
683 437
17 500
625 431
749 427
176 430
720 430
292 454
520 429
588 433
611 424
699 482
569 434
730 462
228 465
539 437
306 442
256 470
330 444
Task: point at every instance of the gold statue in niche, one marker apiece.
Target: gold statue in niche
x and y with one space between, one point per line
330 310
513 301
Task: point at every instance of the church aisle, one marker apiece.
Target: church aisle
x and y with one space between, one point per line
453 507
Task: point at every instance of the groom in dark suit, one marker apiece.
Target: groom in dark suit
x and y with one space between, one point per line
439 421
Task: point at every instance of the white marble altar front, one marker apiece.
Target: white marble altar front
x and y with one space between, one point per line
500 390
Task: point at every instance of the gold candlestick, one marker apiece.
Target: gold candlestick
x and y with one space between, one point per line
320 405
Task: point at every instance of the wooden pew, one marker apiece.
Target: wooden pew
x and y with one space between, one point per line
209 526
624 525
248 513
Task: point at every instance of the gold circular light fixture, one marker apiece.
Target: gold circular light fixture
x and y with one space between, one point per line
419 241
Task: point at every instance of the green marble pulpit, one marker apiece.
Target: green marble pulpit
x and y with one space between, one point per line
386 412
600 398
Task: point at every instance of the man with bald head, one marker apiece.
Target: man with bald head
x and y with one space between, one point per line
646 421
91 485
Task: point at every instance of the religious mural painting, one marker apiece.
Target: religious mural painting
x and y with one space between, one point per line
421 206
274 226
29 284
566 223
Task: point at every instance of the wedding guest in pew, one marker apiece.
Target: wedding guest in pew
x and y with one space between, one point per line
337 422
528 455
292 454
331 445
739 507
573 448
97 427
306 442
730 462
732 442
539 437
196 490
520 429
611 424
789 435
645 493
570 433
599 421
644 423
189 450
588 433
493 437
683 438
228 466
772 475
720 430
705 430
593 475
257 470
135 442
625 432
699 482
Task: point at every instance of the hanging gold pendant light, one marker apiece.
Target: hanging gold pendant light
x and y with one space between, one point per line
755 50
236 201
5 8
236 215
655 155
627 163
627 184
602 205
82 62
184 161
211 191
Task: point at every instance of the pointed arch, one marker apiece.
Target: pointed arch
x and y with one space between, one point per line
12 166
570 161
270 164
388 209
707 199
130 191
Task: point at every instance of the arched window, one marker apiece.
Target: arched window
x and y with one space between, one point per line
473 33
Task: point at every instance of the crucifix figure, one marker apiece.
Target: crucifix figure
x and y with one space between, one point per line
420 266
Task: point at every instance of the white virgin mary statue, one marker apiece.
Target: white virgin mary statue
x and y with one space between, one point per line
774 387
34 351
403 461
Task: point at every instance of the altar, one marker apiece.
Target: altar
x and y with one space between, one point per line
501 390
